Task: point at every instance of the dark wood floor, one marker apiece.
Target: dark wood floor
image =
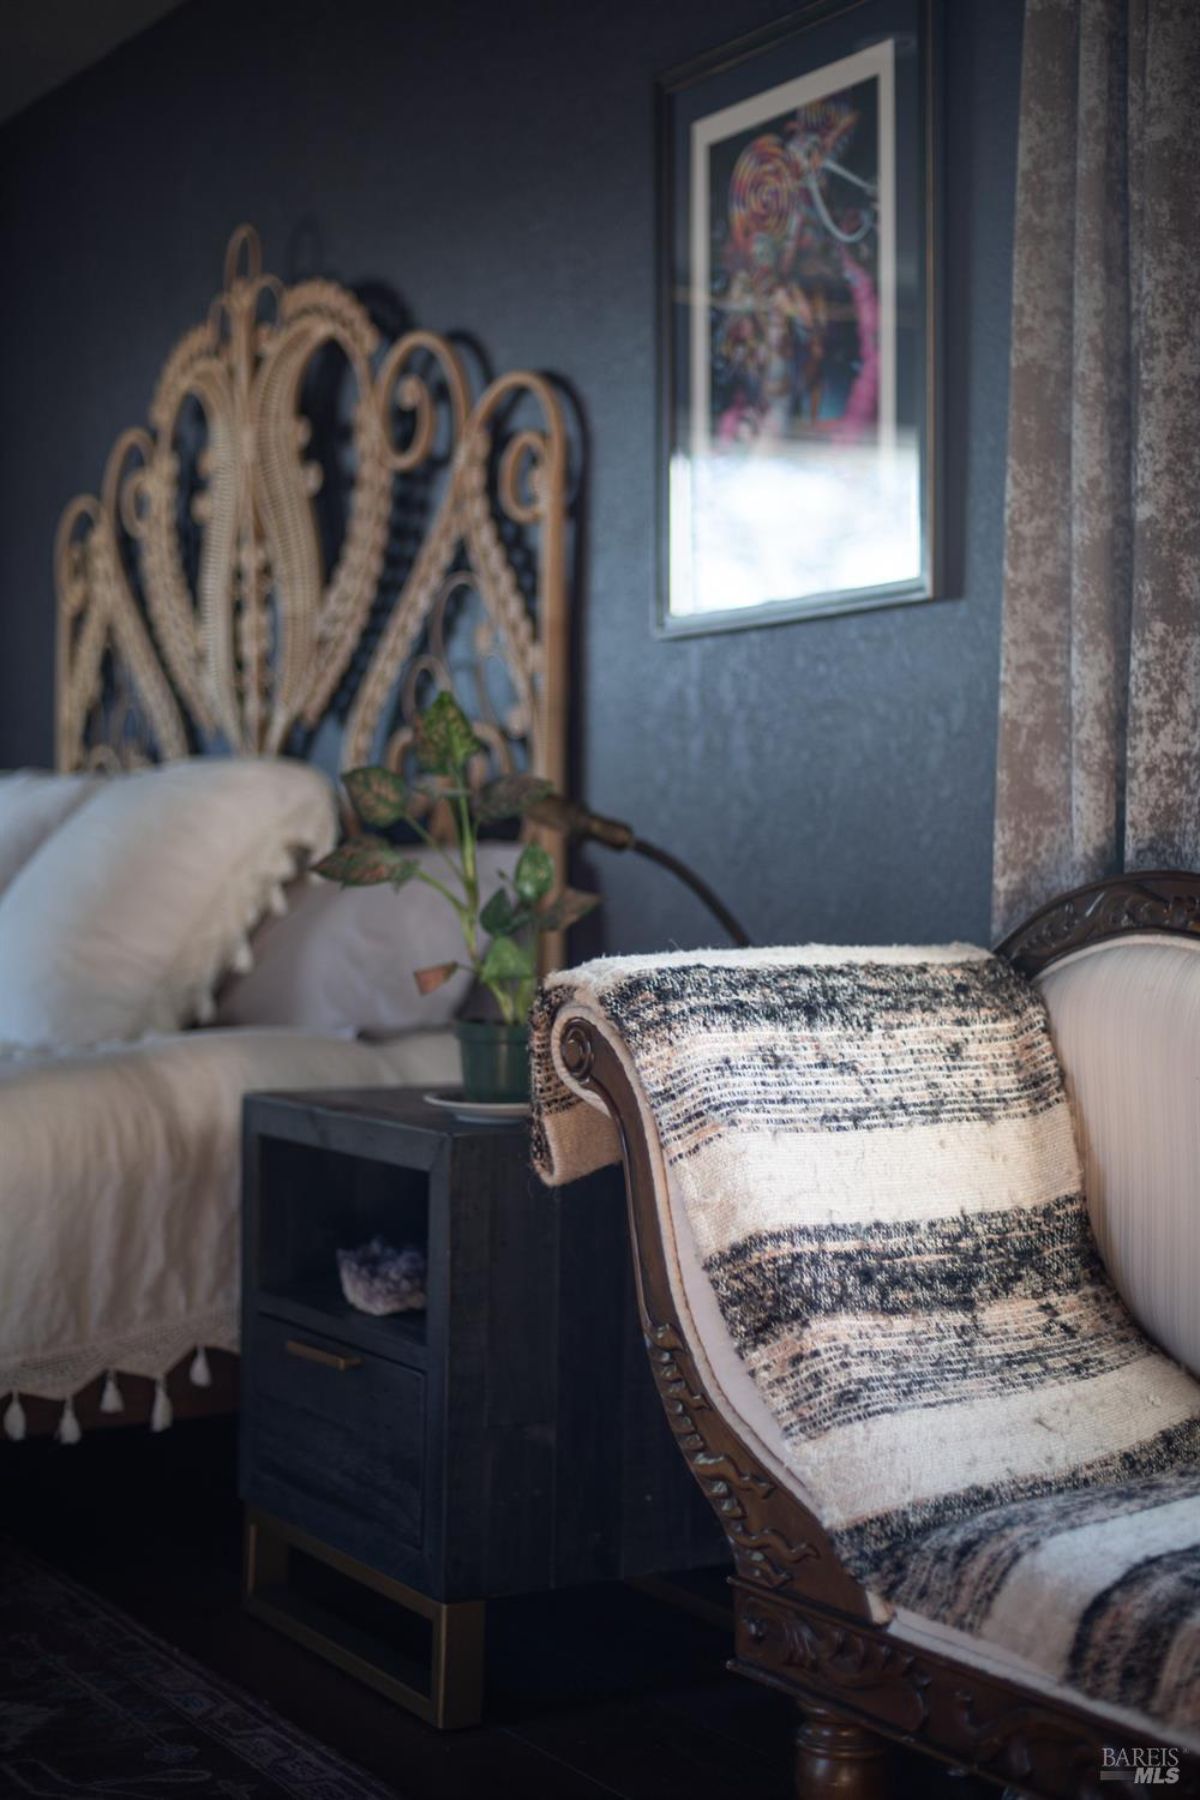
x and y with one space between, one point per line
600 1691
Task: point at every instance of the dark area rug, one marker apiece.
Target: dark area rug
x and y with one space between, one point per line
91 1704
131 1538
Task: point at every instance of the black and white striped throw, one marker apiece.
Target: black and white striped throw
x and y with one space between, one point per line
875 1153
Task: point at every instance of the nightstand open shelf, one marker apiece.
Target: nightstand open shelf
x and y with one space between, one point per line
319 1305
318 1200
507 1440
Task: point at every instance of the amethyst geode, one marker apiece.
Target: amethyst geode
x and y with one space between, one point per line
377 1278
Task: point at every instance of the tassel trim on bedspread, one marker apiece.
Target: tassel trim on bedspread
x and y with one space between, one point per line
69 1430
161 1414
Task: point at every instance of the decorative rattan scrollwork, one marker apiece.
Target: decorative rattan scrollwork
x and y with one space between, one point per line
464 554
196 611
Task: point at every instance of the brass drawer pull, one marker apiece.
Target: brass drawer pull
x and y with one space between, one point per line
329 1359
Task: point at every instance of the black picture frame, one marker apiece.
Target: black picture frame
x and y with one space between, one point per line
758 475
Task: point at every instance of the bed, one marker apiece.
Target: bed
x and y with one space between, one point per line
316 531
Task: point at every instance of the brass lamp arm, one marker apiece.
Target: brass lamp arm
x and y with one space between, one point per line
698 886
578 821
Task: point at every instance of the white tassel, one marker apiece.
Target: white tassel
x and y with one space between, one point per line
206 1009
161 1416
111 1400
243 958
277 900
68 1425
200 1373
14 1419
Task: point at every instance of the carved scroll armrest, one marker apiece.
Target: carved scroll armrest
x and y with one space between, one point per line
1155 900
776 1542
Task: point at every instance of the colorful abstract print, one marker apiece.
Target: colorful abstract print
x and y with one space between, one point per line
794 314
875 1154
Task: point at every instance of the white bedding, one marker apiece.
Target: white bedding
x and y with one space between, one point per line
119 1193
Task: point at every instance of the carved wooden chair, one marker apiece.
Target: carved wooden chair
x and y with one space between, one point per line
1119 966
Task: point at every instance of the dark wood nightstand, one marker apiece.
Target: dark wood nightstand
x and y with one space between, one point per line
400 1472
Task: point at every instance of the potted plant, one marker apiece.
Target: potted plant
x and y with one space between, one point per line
500 936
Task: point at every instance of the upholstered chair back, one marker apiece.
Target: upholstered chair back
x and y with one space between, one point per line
1126 1022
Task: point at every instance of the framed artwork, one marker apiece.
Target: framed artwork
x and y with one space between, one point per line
797 454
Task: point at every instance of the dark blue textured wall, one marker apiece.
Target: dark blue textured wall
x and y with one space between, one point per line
494 164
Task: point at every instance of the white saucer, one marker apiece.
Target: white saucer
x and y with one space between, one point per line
480 1112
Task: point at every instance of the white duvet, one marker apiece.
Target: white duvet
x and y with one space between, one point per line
119 1192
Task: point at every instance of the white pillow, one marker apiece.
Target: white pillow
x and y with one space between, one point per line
342 959
127 917
34 803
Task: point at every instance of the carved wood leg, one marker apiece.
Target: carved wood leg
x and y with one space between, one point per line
837 1758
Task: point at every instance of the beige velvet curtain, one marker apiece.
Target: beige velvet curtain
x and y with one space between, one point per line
1099 750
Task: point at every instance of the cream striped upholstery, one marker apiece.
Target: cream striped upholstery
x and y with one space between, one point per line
1125 1016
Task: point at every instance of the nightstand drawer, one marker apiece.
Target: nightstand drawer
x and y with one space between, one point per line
334 1440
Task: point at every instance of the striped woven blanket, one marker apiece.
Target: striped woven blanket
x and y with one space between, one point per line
875 1154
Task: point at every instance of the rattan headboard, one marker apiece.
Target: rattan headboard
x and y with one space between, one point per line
218 596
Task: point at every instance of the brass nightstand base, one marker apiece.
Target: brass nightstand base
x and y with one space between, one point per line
452 1695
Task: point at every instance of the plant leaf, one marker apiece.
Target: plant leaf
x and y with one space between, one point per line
506 960
379 797
429 979
445 740
498 915
565 910
366 862
509 796
534 874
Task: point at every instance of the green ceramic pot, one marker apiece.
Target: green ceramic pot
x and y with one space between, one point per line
495 1060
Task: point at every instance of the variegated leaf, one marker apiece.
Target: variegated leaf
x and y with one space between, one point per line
506 960
366 862
445 740
534 874
378 796
509 796
499 914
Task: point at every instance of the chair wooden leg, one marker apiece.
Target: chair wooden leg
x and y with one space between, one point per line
837 1758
